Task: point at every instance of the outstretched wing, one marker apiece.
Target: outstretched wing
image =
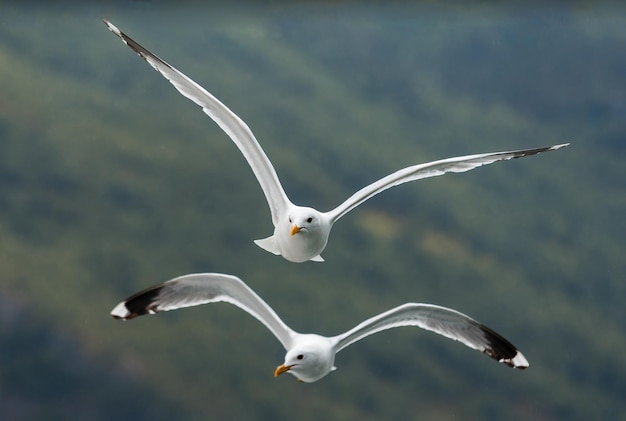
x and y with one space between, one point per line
431 169
236 129
204 288
441 320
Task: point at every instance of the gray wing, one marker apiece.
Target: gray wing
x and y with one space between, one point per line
237 130
431 169
204 288
441 320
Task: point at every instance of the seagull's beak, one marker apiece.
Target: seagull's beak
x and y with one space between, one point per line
282 369
295 229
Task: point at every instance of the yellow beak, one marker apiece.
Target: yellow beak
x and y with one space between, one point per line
295 229
282 369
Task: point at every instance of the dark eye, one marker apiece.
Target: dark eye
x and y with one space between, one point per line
300 357
309 220
290 220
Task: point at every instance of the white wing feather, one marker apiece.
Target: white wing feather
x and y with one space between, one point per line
443 321
237 129
204 288
430 169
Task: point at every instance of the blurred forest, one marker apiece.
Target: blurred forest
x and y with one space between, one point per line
111 181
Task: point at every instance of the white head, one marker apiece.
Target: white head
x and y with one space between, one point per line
303 234
305 221
309 360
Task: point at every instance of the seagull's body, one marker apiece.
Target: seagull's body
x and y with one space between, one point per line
301 233
310 357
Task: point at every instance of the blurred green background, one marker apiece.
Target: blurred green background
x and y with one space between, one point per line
111 181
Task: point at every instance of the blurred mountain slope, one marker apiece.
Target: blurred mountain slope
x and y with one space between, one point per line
111 182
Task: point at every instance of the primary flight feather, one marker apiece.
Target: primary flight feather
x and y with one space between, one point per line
301 233
309 356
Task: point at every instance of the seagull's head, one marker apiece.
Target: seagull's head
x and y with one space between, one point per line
305 221
308 361
302 234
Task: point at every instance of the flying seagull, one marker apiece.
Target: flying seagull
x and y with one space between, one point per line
309 356
301 233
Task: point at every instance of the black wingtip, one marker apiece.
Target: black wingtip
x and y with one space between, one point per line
502 350
137 305
145 54
529 152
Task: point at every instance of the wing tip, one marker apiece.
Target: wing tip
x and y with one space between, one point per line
518 361
501 350
529 152
555 147
139 304
112 28
121 312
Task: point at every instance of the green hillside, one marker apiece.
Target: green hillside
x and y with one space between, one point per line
110 182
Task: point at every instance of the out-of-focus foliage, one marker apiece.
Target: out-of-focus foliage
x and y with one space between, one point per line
110 182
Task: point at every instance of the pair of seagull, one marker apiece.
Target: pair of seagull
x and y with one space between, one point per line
301 234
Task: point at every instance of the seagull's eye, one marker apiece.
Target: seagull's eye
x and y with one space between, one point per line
309 220
300 357
290 220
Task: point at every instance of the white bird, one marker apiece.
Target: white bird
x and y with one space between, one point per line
310 357
301 233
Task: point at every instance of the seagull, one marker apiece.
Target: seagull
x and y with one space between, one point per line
301 232
309 356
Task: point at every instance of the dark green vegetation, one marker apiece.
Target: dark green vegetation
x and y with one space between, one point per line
111 182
